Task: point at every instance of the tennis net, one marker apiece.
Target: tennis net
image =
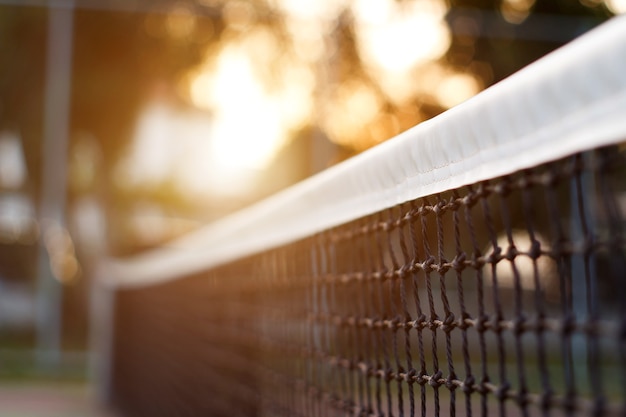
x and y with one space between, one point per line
475 265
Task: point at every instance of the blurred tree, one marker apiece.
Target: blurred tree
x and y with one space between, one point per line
360 93
121 61
22 42
502 36
122 58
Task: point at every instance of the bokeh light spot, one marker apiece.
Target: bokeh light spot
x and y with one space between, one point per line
456 88
396 37
616 6
516 11
238 14
180 22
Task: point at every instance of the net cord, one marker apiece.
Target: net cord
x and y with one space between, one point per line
571 100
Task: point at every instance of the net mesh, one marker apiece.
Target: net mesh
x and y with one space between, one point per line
505 297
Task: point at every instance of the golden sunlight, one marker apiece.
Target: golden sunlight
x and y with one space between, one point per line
396 37
254 112
356 105
310 9
180 22
246 128
456 88
516 11
616 6
238 14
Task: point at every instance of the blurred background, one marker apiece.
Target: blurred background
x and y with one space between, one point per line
127 123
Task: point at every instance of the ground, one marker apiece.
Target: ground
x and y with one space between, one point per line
45 399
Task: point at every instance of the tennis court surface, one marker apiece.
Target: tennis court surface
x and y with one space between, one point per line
30 399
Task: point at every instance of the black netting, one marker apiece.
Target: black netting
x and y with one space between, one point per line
507 297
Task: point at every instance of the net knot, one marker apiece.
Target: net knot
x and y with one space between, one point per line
400 375
394 323
523 182
450 382
409 377
477 259
404 270
427 265
502 391
540 323
449 323
439 207
454 204
511 253
502 188
388 375
432 323
462 323
481 190
423 210
420 322
482 387
458 263
468 200
535 249
468 385
496 323
518 325
495 255
421 377
435 380
550 178
406 323
481 323
385 274
443 266
364 368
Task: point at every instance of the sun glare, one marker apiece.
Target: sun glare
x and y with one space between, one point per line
180 22
456 88
516 11
247 128
398 36
616 6
253 116
257 88
310 9
356 106
239 14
